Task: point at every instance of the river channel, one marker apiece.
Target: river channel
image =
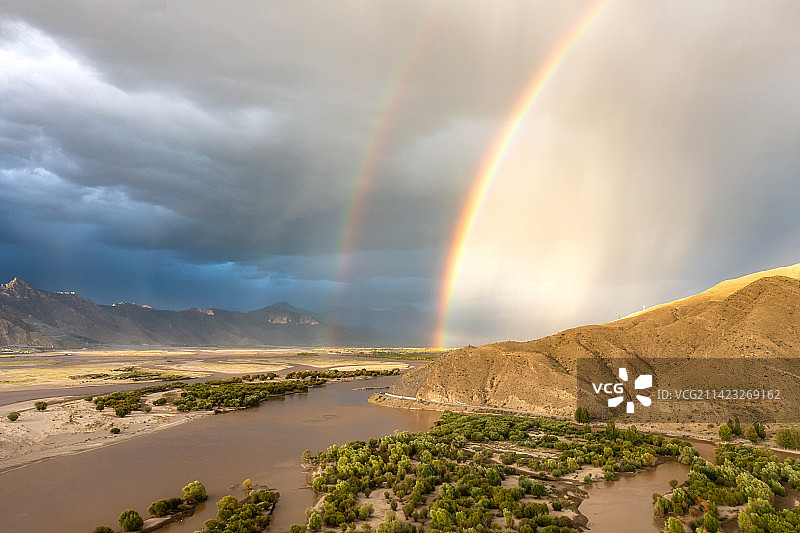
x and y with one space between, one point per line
81 491
265 444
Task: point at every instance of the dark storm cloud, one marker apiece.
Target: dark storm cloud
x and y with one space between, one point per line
177 153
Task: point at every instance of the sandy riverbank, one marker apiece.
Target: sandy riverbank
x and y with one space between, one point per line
70 426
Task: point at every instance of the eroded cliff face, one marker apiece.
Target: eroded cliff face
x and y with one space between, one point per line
754 316
288 317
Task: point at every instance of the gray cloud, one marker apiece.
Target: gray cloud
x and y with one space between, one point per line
216 146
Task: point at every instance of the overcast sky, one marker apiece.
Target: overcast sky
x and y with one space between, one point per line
207 154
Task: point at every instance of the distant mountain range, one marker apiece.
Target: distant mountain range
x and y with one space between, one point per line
35 317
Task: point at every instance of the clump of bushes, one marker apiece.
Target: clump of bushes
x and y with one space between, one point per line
788 437
13 416
249 515
194 492
130 520
165 507
582 415
102 529
40 405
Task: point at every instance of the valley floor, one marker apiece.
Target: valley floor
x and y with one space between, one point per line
70 424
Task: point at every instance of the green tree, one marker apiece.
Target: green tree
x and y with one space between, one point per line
751 434
711 523
582 415
164 507
314 521
761 430
226 507
102 529
194 492
674 525
319 484
40 405
13 416
725 432
737 427
788 437
130 520
297 528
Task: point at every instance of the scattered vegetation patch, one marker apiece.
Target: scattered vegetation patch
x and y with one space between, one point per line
232 393
788 437
133 373
125 402
251 515
409 355
451 479
169 508
235 394
166 507
340 374
745 477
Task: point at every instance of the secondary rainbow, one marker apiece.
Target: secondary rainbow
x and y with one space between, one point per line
495 157
365 173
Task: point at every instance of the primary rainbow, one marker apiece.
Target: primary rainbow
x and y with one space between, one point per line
495 157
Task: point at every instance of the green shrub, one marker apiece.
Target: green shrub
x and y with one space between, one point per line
13 416
314 521
160 401
102 529
725 432
226 508
130 520
115 431
40 405
674 525
751 434
786 437
165 507
297 528
582 415
194 492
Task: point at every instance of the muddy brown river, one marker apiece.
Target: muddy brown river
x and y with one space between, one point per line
79 492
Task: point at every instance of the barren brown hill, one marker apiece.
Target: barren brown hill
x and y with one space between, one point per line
755 318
